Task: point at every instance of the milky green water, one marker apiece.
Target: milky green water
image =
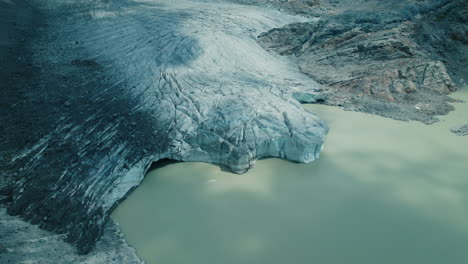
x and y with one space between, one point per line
383 191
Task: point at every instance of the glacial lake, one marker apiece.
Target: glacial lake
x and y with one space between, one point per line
382 192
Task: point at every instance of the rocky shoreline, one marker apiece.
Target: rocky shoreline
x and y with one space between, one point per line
398 61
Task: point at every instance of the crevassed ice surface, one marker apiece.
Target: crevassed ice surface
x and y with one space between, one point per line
197 67
383 191
188 76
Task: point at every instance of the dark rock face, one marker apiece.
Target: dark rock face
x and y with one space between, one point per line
460 130
379 62
107 87
443 34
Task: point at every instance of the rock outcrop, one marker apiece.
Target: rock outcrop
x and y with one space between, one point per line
107 87
399 62
460 130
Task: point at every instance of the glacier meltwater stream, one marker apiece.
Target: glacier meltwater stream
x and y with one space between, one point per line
383 191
